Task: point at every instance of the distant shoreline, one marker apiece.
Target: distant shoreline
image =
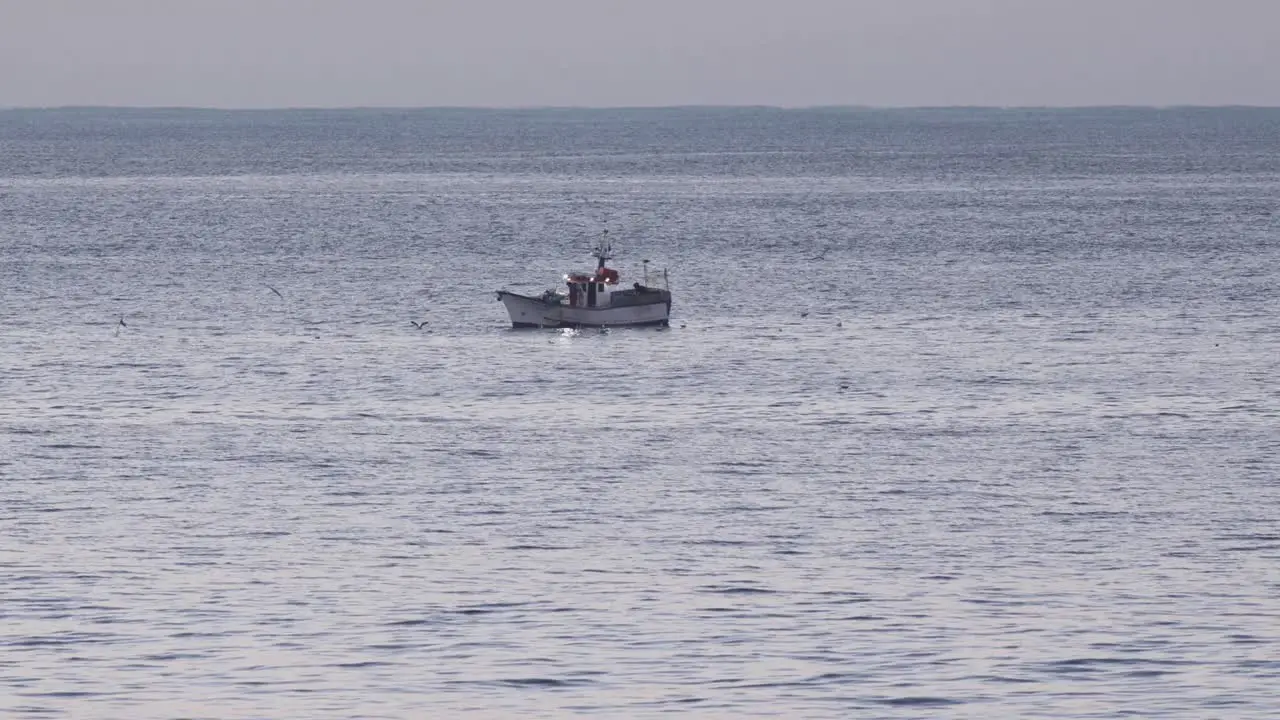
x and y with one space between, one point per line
622 108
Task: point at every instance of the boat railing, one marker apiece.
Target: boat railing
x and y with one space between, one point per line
666 281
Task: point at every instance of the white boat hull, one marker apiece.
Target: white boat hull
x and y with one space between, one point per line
528 311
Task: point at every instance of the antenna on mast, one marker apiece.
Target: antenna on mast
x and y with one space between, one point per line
603 249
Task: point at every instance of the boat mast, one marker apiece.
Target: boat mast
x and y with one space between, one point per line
603 249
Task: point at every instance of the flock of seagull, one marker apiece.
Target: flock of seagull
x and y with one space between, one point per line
423 325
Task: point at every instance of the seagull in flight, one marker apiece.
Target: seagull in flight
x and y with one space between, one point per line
122 322
277 292
419 325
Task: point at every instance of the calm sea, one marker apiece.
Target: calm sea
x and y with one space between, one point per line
963 413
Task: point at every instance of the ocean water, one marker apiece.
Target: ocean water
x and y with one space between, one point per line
962 413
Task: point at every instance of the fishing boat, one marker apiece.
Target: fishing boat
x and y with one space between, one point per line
593 299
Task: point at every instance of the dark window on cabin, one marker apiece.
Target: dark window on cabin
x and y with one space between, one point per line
591 294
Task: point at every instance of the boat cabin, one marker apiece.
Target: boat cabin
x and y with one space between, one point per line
592 290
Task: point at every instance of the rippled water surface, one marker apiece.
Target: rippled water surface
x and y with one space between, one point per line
961 414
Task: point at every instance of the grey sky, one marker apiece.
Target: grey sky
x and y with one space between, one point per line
277 53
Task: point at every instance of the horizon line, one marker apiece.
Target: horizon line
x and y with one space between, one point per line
709 106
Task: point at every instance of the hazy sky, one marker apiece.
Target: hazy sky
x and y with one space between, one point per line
282 53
